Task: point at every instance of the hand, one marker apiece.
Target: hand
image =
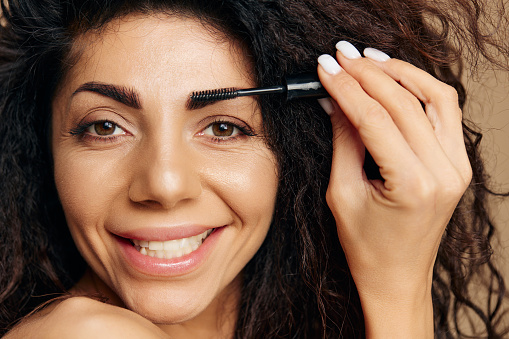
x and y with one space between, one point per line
390 229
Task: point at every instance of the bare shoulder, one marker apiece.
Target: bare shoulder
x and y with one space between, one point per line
82 317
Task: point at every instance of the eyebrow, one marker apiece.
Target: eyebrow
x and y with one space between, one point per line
122 94
194 105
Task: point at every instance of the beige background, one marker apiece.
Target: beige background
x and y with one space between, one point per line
489 108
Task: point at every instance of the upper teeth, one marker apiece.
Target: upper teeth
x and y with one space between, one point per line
171 248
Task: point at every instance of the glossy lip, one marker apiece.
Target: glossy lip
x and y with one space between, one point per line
168 267
164 233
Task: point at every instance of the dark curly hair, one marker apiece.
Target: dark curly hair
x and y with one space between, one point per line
298 284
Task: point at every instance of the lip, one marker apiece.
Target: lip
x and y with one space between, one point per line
167 267
164 233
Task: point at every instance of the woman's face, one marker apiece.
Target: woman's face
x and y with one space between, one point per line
143 179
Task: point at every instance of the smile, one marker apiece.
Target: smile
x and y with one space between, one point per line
172 248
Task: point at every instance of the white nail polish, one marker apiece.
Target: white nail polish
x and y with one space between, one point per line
329 64
376 54
327 105
348 50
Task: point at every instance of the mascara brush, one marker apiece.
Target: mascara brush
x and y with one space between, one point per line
304 85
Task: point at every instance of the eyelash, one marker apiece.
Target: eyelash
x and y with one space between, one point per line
244 130
81 131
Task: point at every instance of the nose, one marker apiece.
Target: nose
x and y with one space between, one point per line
164 176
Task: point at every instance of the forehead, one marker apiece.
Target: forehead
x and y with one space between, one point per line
138 48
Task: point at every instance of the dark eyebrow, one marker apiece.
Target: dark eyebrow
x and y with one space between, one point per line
193 105
124 95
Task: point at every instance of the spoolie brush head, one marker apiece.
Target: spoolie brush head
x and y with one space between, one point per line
203 98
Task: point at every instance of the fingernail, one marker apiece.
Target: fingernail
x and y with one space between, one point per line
375 54
348 50
329 64
327 105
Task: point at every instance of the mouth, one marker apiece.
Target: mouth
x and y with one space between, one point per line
172 248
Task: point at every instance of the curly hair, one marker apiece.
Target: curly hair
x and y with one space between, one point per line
298 284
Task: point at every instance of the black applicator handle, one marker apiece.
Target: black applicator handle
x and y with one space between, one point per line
304 85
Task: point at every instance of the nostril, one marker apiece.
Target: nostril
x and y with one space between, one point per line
164 185
152 204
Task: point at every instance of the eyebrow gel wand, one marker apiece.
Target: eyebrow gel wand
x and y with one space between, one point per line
304 85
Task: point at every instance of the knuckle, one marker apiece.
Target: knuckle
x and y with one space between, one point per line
454 183
363 68
422 189
346 84
460 177
447 93
373 113
454 187
426 190
407 102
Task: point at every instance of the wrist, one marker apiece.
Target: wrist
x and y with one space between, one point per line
398 315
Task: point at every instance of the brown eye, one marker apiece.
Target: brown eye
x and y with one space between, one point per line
222 129
104 128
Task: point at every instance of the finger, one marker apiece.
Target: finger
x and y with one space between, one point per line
441 106
374 125
347 159
403 107
436 147
348 150
364 159
346 189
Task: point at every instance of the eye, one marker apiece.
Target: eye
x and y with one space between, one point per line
104 128
222 130
226 130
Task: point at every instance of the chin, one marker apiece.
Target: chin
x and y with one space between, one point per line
168 313
173 302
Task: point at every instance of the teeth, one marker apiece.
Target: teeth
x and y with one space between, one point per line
171 245
155 245
172 248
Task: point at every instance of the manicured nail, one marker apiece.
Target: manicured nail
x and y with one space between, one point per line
327 105
348 50
375 54
329 64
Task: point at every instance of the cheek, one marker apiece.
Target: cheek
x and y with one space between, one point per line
85 186
249 186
